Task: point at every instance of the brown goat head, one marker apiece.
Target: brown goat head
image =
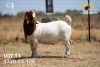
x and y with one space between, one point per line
29 24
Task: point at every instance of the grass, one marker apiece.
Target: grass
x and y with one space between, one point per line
83 54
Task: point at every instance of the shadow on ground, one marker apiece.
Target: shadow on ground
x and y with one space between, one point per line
39 57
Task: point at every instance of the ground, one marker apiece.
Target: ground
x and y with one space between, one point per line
82 55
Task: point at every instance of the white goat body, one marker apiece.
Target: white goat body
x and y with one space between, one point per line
52 32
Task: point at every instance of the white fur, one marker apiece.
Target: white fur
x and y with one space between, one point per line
51 33
34 15
68 18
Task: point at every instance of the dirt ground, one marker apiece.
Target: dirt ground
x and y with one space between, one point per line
82 55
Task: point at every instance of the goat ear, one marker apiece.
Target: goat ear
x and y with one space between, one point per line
26 14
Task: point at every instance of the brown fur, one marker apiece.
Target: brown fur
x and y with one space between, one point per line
29 24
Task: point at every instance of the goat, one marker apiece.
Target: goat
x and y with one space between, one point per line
47 33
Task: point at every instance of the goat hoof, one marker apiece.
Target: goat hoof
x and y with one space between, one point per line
34 56
66 56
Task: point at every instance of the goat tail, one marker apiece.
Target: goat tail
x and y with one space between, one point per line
69 20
